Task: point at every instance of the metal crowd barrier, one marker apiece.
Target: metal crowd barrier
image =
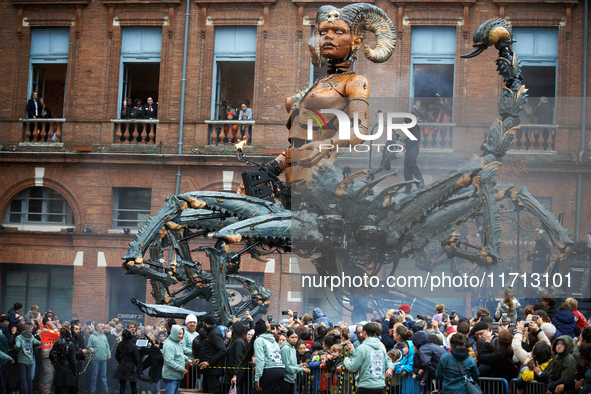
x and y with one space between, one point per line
534 387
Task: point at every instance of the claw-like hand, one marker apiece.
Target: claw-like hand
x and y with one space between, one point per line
319 150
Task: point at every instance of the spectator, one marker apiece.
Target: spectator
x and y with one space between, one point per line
579 318
101 353
187 344
439 309
245 112
370 361
509 306
563 366
536 363
540 256
230 130
289 359
565 322
545 115
236 350
14 313
500 360
320 317
33 108
270 371
33 314
24 345
212 353
63 358
455 366
174 360
584 386
406 309
519 341
49 335
128 357
405 366
78 340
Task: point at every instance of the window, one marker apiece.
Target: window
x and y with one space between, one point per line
39 205
44 286
140 64
131 207
537 49
48 66
433 52
122 289
234 61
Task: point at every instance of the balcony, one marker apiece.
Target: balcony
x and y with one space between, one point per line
536 137
229 131
46 130
134 131
436 135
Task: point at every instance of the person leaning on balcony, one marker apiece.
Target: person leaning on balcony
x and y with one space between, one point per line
33 110
150 111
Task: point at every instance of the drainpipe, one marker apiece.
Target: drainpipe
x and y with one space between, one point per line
583 121
183 85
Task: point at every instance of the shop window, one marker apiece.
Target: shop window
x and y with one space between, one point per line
47 287
39 206
131 207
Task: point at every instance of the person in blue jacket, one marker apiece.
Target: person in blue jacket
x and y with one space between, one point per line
449 368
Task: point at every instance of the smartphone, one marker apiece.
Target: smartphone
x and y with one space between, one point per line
270 318
285 313
295 315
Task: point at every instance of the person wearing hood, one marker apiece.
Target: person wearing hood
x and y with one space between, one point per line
269 371
370 361
128 357
212 353
175 361
289 359
565 322
563 366
453 366
98 344
63 358
24 345
320 317
404 367
426 357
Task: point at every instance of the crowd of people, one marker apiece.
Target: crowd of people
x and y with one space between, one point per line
37 109
540 342
228 133
134 109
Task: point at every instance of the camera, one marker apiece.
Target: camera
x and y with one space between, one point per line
526 324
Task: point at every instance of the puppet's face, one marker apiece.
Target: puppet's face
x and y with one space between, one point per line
336 41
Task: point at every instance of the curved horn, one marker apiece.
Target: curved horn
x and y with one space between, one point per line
376 21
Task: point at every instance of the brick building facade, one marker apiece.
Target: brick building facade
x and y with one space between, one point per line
111 49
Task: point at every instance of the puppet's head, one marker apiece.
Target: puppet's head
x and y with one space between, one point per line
357 18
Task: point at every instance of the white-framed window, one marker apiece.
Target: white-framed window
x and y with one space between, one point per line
139 79
233 69
537 50
433 50
48 67
131 207
39 206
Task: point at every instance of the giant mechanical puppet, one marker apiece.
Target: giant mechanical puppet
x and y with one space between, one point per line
347 222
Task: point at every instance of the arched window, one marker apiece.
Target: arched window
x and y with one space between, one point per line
39 206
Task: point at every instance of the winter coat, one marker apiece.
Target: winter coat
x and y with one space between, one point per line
24 344
187 344
320 317
234 355
213 350
12 317
100 344
405 364
449 370
371 362
174 357
586 389
503 307
528 375
581 321
63 359
563 365
128 357
501 367
565 324
518 350
267 355
48 338
427 357
387 340
289 359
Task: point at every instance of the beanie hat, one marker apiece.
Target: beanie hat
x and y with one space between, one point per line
404 308
209 320
480 326
451 330
549 329
260 327
191 318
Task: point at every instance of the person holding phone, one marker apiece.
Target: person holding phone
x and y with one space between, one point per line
211 356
